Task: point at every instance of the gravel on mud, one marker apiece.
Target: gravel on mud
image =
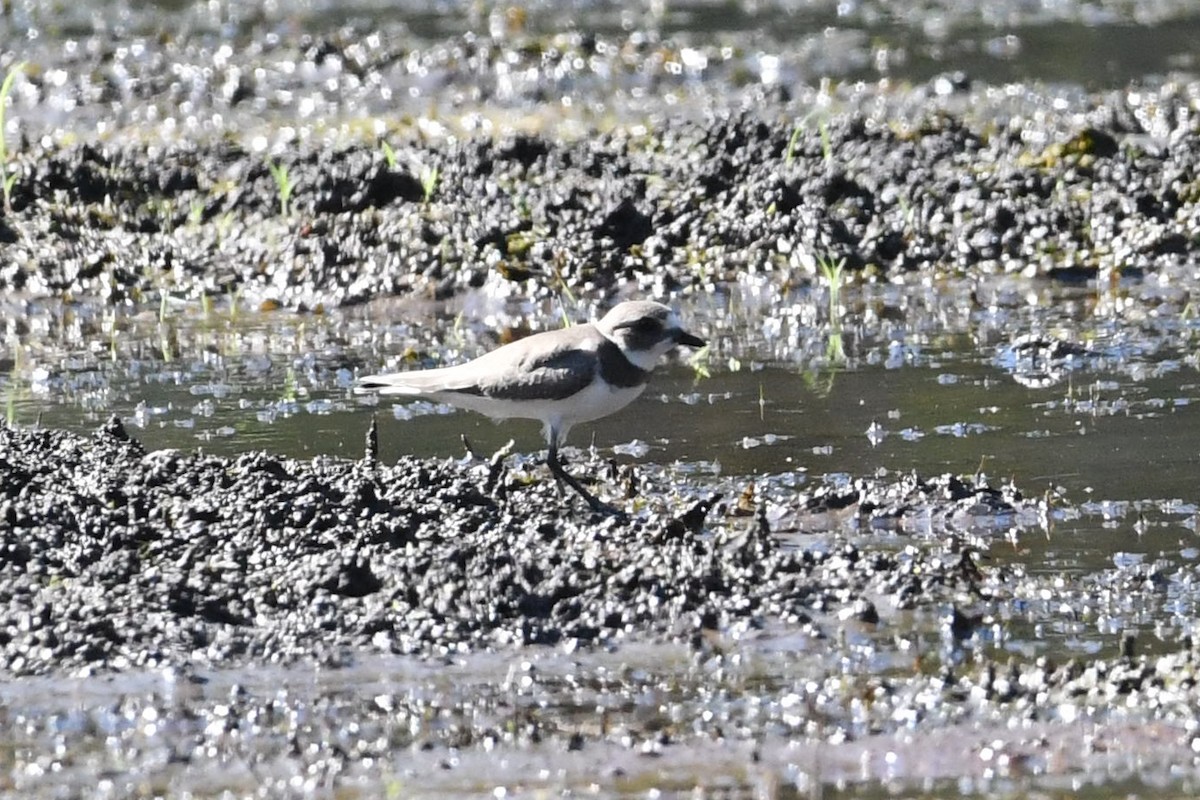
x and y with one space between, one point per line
159 574
683 206
117 557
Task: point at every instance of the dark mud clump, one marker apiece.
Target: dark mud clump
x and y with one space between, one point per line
684 206
115 557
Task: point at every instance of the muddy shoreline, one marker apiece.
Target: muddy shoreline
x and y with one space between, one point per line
179 622
329 169
169 559
181 577
684 208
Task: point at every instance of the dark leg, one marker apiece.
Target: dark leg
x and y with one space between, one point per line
562 475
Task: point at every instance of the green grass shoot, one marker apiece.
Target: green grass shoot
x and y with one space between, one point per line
835 348
165 344
790 154
289 386
284 186
458 331
834 273
8 178
10 403
699 363
563 289
389 155
429 181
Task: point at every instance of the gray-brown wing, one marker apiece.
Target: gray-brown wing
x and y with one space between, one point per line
555 376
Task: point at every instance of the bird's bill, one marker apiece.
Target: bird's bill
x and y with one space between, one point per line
690 340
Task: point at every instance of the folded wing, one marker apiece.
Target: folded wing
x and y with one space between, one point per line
510 373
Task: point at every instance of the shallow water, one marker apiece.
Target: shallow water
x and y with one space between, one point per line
1089 44
924 384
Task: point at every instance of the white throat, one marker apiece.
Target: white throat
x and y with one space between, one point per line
647 359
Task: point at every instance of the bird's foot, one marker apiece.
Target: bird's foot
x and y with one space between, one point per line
600 507
595 503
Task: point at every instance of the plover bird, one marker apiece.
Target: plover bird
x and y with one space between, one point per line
560 377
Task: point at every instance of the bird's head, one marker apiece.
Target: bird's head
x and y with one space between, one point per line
645 331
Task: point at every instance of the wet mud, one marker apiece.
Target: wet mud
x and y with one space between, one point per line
684 207
374 625
118 557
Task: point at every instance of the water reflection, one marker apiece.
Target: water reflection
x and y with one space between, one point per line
926 380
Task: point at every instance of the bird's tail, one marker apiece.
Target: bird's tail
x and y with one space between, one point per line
418 382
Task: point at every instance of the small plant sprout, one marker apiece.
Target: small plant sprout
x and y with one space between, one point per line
524 211
833 272
10 402
429 179
789 155
389 155
284 185
980 475
563 289
699 363
458 331
826 141
562 309
8 178
906 210
166 342
290 389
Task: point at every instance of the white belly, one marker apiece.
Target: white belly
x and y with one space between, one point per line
596 401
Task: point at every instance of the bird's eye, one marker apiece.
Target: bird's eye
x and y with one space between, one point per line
646 325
